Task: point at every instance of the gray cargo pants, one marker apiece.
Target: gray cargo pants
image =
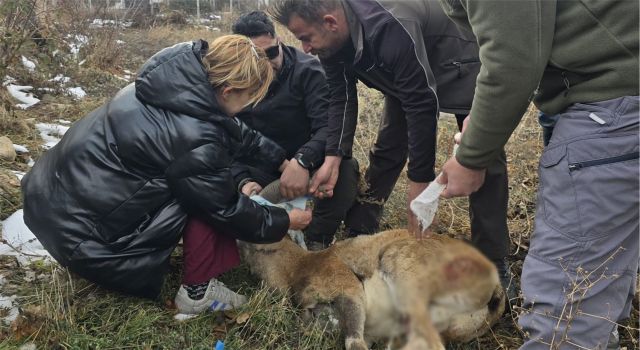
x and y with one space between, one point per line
579 277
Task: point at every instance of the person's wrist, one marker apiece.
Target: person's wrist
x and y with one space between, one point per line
303 161
243 182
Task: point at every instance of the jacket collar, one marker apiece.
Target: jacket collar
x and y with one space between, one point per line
288 60
355 31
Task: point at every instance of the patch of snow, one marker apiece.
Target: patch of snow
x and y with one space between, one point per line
120 42
76 92
128 71
20 241
183 317
78 41
20 148
62 121
51 133
29 65
122 78
127 76
7 80
82 62
2 280
29 346
8 304
60 79
30 163
29 276
19 174
99 23
20 93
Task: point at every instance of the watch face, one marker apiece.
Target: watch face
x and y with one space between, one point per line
301 161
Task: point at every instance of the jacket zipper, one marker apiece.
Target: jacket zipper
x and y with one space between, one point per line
595 162
459 64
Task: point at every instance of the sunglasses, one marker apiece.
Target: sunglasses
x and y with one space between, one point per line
273 51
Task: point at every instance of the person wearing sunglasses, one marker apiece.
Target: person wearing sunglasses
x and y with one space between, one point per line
294 114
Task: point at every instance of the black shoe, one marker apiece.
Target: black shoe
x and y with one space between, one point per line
506 280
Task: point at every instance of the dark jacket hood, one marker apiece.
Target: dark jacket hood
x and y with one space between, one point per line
175 79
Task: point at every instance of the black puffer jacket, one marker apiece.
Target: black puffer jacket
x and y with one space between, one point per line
110 200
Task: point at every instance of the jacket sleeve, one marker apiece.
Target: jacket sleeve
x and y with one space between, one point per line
316 102
343 108
414 87
265 153
515 40
241 174
202 182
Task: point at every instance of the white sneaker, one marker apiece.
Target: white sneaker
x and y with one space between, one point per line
217 298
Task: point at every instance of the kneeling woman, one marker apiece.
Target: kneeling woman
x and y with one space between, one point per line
111 200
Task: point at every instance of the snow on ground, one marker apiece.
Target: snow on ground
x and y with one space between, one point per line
183 317
19 174
21 94
20 148
19 241
31 67
60 79
78 41
76 92
51 133
99 23
7 303
62 121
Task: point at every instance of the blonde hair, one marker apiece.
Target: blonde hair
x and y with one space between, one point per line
235 61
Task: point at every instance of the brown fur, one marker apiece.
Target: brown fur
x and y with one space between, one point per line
389 285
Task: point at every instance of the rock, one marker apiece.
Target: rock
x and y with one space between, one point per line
6 149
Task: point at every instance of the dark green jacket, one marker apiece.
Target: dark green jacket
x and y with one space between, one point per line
555 52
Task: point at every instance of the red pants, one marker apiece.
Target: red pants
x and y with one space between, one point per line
207 253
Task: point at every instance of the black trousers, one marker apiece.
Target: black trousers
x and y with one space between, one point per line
328 213
487 207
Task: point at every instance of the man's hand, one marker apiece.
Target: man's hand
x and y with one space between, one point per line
284 165
324 180
415 188
251 188
461 181
465 123
299 219
294 180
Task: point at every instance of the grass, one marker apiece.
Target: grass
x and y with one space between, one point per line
61 311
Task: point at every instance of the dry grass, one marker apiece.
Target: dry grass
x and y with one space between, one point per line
60 311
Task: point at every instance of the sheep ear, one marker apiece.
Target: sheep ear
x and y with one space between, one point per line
460 268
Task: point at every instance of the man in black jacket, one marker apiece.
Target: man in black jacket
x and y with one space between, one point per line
424 64
294 115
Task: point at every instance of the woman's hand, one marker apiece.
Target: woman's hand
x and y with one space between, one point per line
299 219
251 188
